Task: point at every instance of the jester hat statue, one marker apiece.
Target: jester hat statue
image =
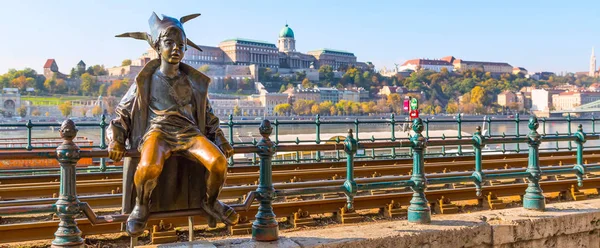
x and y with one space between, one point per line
166 115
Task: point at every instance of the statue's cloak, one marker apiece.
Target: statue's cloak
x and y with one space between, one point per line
182 183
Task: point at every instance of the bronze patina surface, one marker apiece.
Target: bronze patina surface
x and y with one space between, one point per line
166 115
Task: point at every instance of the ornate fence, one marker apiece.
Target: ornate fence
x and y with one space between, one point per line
265 227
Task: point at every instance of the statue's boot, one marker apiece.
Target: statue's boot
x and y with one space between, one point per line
216 209
136 223
220 211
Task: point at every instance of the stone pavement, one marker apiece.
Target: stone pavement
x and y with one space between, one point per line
562 225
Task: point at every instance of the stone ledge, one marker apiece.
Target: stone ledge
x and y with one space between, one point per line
566 224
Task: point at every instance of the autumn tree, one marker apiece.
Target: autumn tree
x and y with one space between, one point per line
96 111
303 107
306 83
118 87
237 111
22 111
452 107
50 85
88 84
36 112
61 86
66 108
394 101
282 109
325 108
126 62
315 110
478 96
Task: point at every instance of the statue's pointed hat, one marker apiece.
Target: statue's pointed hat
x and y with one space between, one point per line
157 26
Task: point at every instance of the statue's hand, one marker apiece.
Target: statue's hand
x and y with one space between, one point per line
226 149
116 151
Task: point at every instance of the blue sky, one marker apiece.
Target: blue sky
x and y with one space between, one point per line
538 35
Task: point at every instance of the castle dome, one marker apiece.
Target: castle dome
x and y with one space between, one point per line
286 32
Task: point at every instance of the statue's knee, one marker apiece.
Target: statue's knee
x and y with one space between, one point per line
219 165
148 171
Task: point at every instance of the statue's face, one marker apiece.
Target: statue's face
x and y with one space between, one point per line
172 46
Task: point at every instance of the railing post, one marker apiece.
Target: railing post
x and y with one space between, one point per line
579 167
478 176
67 206
534 199
458 120
265 227
29 126
350 187
231 141
103 125
318 136
517 120
418 211
393 134
489 127
570 145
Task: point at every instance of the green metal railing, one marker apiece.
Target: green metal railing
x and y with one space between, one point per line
265 227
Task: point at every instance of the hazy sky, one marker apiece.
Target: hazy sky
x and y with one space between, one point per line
538 35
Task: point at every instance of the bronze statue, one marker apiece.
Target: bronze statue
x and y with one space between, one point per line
166 115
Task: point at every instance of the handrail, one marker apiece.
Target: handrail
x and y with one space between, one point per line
265 226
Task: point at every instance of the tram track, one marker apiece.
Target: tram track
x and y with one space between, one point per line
45 229
111 183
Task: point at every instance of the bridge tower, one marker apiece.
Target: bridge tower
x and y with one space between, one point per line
592 64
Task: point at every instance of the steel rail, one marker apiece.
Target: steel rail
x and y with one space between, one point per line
44 230
107 185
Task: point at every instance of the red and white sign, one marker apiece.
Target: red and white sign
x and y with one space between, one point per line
406 105
414 113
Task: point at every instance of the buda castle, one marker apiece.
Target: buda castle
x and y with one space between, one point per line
246 52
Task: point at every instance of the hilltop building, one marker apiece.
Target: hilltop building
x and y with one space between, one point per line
51 70
492 67
263 54
426 64
519 70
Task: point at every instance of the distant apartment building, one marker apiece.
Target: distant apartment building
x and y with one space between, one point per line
426 64
570 100
225 107
492 67
350 94
270 100
541 99
507 98
328 94
299 93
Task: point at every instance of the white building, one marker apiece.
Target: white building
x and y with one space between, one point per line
426 64
540 100
270 100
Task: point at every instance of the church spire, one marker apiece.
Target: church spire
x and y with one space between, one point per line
592 64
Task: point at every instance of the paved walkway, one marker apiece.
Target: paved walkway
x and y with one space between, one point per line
480 229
